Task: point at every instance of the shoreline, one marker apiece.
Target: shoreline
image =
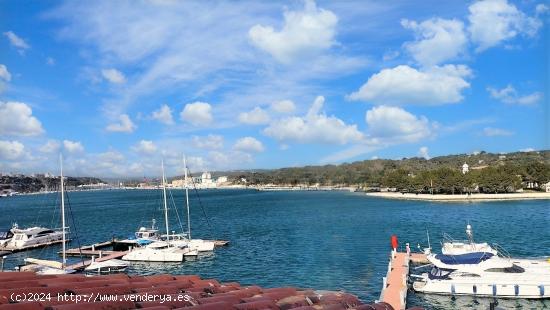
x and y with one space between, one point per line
461 197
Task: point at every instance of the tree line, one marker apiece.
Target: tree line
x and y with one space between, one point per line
489 173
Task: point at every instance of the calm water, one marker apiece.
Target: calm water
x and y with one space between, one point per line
323 240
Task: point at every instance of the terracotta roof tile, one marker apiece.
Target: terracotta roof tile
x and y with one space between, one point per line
200 294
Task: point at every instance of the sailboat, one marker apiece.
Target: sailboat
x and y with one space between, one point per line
162 250
199 245
42 266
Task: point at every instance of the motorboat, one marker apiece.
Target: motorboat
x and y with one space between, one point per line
106 267
31 237
484 271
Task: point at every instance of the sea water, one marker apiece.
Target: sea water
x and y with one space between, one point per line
321 240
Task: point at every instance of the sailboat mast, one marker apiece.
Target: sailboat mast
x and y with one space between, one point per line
64 261
165 204
187 199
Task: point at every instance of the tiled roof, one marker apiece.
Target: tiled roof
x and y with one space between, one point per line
178 291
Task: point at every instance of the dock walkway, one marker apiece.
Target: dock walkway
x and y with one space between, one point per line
394 290
84 264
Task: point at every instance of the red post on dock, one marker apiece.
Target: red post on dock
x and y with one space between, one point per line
394 242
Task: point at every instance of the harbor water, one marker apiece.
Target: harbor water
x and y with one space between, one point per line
322 240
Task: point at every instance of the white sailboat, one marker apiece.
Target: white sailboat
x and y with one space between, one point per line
162 250
198 245
41 266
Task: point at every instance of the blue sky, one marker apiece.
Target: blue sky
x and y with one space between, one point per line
117 85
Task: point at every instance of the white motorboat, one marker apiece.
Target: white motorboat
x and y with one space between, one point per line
106 267
31 237
167 250
49 266
484 273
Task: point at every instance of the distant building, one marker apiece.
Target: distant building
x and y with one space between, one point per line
546 187
221 180
465 168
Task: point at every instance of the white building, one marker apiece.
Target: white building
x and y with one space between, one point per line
465 168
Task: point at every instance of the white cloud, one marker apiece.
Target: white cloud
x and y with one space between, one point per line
197 113
257 116
527 150
125 125
16 41
113 75
405 85
50 61
495 132
211 142
16 120
4 73
145 147
541 9
303 33
392 125
50 146
228 160
283 106
423 152
509 95
73 146
315 127
495 21
11 150
437 40
163 115
248 144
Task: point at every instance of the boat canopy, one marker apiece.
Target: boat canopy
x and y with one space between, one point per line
464 259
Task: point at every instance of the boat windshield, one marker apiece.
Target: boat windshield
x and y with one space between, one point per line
5 234
514 269
439 273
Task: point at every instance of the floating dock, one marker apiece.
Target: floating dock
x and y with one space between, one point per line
394 289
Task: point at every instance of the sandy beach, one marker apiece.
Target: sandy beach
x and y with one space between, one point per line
461 197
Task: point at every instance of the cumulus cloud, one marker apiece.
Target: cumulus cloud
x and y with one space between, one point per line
11 150
145 147
73 146
211 142
249 144
50 146
113 75
16 41
4 73
283 106
125 125
163 115
496 132
495 21
16 120
527 150
391 125
257 116
197 113
437 40
423 152
405 85
314 127
303 33
509 95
